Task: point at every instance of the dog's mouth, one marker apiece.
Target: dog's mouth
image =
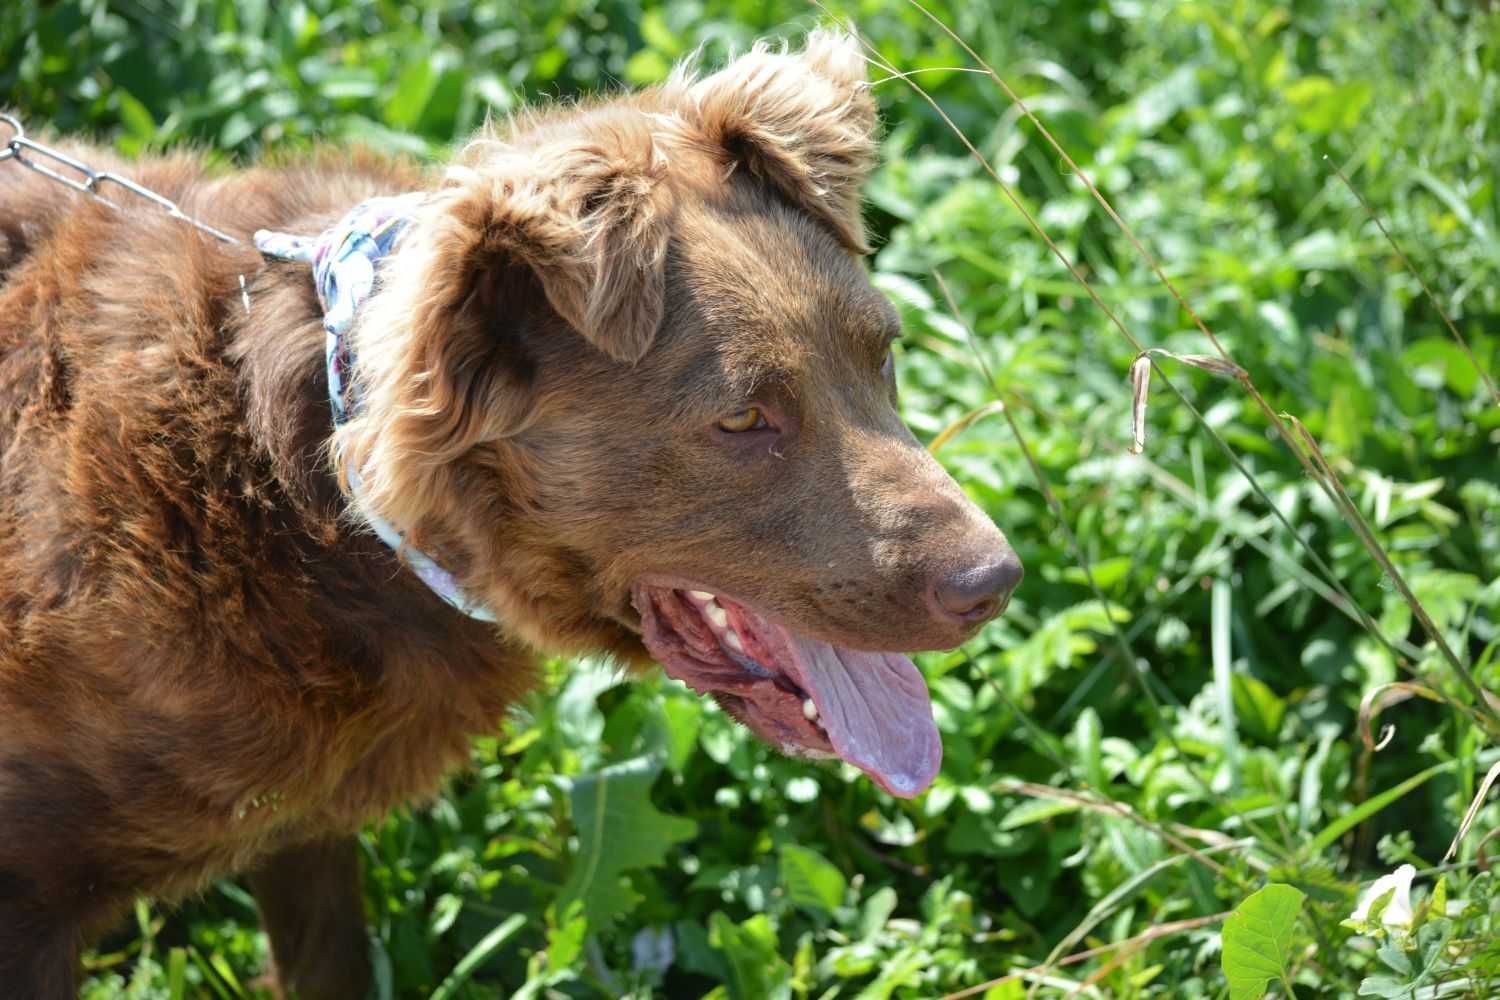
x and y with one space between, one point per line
804 696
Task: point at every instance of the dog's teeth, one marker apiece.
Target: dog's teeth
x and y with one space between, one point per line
716 614
701 596
732 640
810 710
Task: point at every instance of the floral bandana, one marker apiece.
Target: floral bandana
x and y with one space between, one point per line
344 259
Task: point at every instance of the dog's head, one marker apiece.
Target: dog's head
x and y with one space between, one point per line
628 379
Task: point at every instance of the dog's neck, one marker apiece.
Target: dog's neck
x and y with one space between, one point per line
344 260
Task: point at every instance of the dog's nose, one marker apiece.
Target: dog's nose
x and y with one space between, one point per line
979 593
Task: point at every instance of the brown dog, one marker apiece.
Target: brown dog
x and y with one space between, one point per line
624 379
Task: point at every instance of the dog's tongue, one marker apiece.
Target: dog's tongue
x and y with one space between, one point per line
876 712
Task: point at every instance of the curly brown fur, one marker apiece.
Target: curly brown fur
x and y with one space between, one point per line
208 665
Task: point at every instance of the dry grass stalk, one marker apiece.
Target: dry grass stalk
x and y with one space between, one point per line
1131 945
1474 807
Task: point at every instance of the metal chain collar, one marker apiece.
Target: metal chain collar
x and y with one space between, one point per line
22 149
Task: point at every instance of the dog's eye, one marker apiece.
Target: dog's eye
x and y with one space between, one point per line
749 419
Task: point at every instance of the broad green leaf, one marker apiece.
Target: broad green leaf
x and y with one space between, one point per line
1390 987
647 66
1391 953
1447 360
660 37
1324 106
136 116
1257 707
413 90
811 880
618 830
1106 572
1257 937
877 910
681 720
346 83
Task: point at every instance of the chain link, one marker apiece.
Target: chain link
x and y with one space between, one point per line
36 156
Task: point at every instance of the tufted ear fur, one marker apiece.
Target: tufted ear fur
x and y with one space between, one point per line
582 211
578 210
804 121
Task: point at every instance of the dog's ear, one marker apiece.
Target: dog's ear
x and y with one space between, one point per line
586 212
804 121
578 213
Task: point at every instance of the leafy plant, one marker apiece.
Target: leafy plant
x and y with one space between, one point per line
1194 692
1258 941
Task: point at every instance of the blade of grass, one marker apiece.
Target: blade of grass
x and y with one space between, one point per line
211 976
1333 831
486 947
1219 609
177 974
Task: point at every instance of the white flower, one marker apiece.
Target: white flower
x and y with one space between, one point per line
1397 912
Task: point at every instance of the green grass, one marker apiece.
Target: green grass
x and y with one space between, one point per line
1169 716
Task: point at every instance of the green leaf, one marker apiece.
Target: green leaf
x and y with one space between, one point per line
877 910
1087 742
618 830
1106 572
350 83
1035 811
1385 986
136 116
1378 906
811 880
1257 937
1437 903
565 936
756 969
1323 106
681 720
1444 357
1391 953
660 37
647 66
1257 707
414 89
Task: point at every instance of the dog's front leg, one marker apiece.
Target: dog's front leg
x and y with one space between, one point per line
310 905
